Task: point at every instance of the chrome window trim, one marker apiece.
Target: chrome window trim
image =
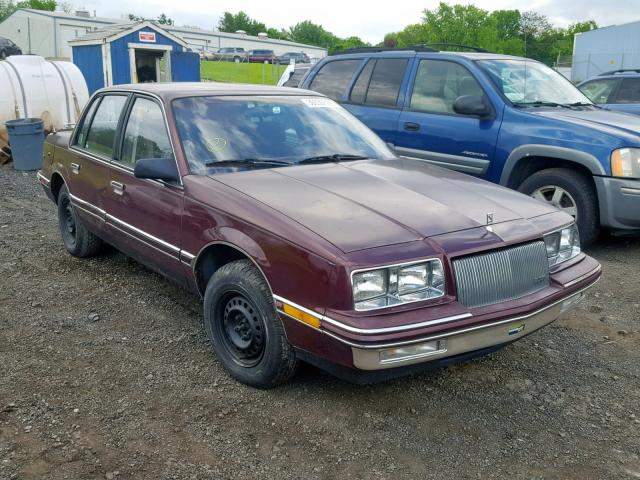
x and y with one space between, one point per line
374 331
395 265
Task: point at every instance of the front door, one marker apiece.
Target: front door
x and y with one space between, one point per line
429 129
145 215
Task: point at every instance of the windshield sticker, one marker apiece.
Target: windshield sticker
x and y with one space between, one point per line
216 144
319 102
276 110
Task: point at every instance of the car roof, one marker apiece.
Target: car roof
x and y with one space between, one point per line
411 53
193 89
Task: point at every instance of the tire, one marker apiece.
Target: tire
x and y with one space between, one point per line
77 239
236 59
3 55
243 326
579 189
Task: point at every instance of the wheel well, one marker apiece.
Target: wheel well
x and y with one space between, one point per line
211 259
530 165
56 185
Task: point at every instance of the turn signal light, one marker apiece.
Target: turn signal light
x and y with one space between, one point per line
300 315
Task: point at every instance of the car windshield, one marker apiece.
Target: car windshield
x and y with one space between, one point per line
269 130
526 82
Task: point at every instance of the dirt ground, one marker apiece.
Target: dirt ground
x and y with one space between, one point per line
106 373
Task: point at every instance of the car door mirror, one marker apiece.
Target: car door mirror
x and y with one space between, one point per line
475 105
157 169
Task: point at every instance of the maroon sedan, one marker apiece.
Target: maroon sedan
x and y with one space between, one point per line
306 237
262 56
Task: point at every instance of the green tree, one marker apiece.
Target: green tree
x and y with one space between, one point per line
162 19
347 43
232 22
312 34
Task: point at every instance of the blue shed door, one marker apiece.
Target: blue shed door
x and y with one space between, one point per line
185 67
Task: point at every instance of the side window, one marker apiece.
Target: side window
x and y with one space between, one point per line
102 131
81 138
333 78
379 83
599 91
629 91
146 134
439 83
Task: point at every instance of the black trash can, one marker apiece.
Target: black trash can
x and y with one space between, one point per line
26 137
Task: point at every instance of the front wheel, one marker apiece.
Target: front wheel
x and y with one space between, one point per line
570 191
243 326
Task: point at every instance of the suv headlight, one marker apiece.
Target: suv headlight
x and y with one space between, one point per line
625 162
562 245
397 284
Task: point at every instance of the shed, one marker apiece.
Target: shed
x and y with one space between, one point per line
134 53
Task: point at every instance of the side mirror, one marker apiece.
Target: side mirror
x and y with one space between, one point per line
475 105
157 169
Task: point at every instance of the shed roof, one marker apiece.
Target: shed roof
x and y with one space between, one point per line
114 32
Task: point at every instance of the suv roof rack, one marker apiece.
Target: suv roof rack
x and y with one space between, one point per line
622 70
459 45
416 48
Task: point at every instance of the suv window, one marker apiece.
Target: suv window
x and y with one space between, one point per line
146 134
439 83
629 91
102 131
379 82
333 78
598 91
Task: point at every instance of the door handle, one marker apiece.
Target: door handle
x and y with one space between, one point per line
117 187
411 127
75 168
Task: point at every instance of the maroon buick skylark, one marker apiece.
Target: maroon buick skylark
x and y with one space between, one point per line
307 238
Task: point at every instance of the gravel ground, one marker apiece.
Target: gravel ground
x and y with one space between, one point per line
106 373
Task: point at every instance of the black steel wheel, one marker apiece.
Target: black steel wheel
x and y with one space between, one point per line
244 328
77 239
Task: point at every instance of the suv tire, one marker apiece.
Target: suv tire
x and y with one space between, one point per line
3 55
77 238
244 328
569 187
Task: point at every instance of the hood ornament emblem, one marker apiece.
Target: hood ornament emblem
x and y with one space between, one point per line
489 218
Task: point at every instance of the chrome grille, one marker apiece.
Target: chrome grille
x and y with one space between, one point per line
501 275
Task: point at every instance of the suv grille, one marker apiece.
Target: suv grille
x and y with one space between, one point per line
501 275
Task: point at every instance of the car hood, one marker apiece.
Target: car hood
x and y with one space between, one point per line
367 204
613 123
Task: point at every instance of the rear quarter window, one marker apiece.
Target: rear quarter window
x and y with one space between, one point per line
334 77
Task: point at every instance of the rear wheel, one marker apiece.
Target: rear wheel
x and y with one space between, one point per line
236 59
244 328
77 239
570 191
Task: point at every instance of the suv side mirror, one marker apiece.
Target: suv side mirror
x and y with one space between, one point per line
157 169
476 105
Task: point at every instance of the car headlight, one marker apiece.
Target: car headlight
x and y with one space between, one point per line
397 284
562 245
625 162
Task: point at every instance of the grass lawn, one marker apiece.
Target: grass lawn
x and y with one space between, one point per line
231 72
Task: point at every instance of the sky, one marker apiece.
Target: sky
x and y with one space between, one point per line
369 20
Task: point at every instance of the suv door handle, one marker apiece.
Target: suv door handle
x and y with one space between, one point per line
117 187
411 127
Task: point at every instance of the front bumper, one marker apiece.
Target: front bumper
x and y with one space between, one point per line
619 203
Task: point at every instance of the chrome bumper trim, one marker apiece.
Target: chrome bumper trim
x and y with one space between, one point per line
44 181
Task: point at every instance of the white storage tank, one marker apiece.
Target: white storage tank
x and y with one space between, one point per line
31 86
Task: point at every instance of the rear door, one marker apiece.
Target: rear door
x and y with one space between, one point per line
627 98
89 157
375 96
145 216
429 130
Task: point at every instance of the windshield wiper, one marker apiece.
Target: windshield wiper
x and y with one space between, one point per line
580 104
250 162
541 103
331 158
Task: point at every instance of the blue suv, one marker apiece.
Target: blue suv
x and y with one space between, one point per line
617 90
510 120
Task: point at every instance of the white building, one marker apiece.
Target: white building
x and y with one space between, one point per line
606 49
47 34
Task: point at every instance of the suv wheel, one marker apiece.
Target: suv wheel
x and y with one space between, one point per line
236 59
77 239
571 192
244 328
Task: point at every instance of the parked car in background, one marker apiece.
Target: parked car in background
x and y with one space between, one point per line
228 54
617 90
8 48
262 56
298 57
510 120
307 238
